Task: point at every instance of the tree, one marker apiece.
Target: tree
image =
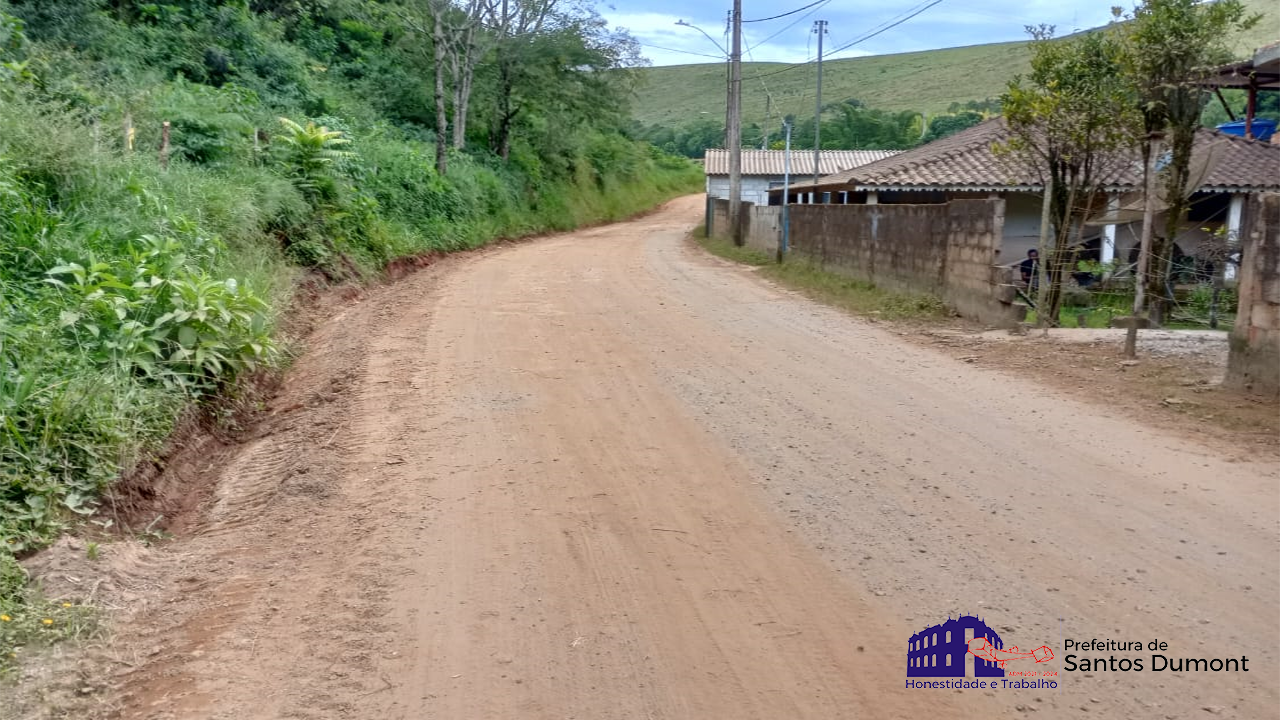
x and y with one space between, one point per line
457 44
950 124
555 61
426 19
1170 47
465 45
1071 120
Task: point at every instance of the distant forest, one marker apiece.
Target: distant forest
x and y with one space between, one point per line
852 125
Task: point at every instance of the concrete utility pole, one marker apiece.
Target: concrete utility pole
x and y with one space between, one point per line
819 27
786 192
735 127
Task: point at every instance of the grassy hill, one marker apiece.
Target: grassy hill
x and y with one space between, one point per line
927 81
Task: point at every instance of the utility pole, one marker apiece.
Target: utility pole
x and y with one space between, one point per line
786 192
728 81
819 27
735 127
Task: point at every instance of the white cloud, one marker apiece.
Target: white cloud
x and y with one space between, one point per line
665 42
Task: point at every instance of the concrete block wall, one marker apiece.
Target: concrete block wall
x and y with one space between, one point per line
763 229
948 250
975 234
897 247
761 225
1254 361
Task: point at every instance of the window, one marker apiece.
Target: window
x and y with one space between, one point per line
948 637
948 657
935 660
935 639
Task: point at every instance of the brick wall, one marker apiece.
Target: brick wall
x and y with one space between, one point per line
1254 361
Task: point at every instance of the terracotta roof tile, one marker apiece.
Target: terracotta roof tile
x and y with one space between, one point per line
966 161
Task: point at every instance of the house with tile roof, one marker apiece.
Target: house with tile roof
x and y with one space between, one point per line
1227 169
763 170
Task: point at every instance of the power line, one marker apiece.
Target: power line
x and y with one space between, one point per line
882 29
793 12
674 50
890 26
815 8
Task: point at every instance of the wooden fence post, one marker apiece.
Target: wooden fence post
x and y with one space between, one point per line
164 145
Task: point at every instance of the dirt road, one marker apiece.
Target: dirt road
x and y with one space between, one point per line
603 475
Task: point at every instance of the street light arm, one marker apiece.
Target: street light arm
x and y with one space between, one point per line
704 32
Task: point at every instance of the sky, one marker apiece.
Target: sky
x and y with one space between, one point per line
949 23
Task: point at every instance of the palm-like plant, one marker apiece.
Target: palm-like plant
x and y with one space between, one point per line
309 155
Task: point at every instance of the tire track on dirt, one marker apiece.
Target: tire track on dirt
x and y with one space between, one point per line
603 476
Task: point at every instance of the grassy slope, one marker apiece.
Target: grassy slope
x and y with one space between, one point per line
928 81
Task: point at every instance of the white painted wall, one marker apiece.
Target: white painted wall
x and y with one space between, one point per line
1021 227
754 189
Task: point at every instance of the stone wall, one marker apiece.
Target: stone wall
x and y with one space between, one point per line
949 250
1254 362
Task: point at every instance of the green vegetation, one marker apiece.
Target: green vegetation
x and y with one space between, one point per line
1069 118
29 620
1168 45
139 279
848 124
857 296
725 248
929 82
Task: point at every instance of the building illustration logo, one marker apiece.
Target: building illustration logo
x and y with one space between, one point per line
950 649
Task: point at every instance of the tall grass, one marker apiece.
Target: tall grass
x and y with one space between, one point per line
108 261
131 291
856 296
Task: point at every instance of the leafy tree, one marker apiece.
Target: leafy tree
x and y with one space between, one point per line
945 125
851 125
1268 107
1170 46
986 107
554 60
1070 120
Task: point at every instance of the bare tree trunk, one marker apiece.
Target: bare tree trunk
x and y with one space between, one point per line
1159 292
1042 277
1144 247
463 105
1073 253
506 114
442 117
1052 307
464 67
